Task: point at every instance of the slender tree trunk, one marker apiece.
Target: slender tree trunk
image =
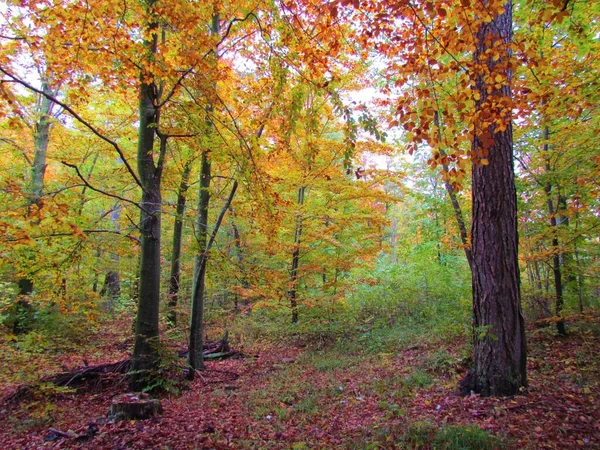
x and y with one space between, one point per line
556 269
174 278
566 258
538 277
293 289
393 238
499 362
237 242
458 215
195 357
145 351
578 266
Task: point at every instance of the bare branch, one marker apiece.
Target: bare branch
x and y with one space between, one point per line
100 191
44 236
80 119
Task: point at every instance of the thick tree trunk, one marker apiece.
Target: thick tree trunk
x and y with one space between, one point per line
41 139
145 351
174 278
145 357
499 362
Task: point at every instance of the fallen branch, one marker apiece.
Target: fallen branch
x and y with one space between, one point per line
211 348
71 379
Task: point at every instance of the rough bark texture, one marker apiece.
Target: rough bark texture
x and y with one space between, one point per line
499 363
176 250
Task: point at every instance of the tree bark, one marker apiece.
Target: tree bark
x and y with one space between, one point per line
195 349
578 266
195 359
237 242
293 289
41 139
145 355
195 356
499 362
174 278
458 215
556 269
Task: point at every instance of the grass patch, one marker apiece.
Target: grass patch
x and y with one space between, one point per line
327 361
421 435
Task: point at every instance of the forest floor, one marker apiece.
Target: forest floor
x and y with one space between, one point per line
295 397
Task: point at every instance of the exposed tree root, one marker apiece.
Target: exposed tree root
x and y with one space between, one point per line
94 376
83 376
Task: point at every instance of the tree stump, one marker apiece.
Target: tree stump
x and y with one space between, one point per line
136 406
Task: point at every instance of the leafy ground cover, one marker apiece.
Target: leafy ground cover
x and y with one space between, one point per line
353 393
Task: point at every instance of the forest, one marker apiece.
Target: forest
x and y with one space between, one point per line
282 224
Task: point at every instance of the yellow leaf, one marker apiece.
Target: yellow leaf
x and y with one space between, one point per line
484 162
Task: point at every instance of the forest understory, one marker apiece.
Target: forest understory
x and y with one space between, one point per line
300 224
347 394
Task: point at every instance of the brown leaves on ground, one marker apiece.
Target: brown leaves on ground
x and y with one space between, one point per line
295 398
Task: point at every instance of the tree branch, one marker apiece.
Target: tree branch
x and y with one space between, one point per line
44 236
108 194
80 119
220 219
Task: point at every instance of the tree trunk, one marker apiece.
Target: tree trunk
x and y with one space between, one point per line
237 242
41 139
23 312
195 356
556 269
195 348
393 238
111 289
458 215
145 355
195 359
578 266
499 362
176 250
293 289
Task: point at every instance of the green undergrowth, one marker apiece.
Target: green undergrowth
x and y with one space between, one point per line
395 307
424 435
427 436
